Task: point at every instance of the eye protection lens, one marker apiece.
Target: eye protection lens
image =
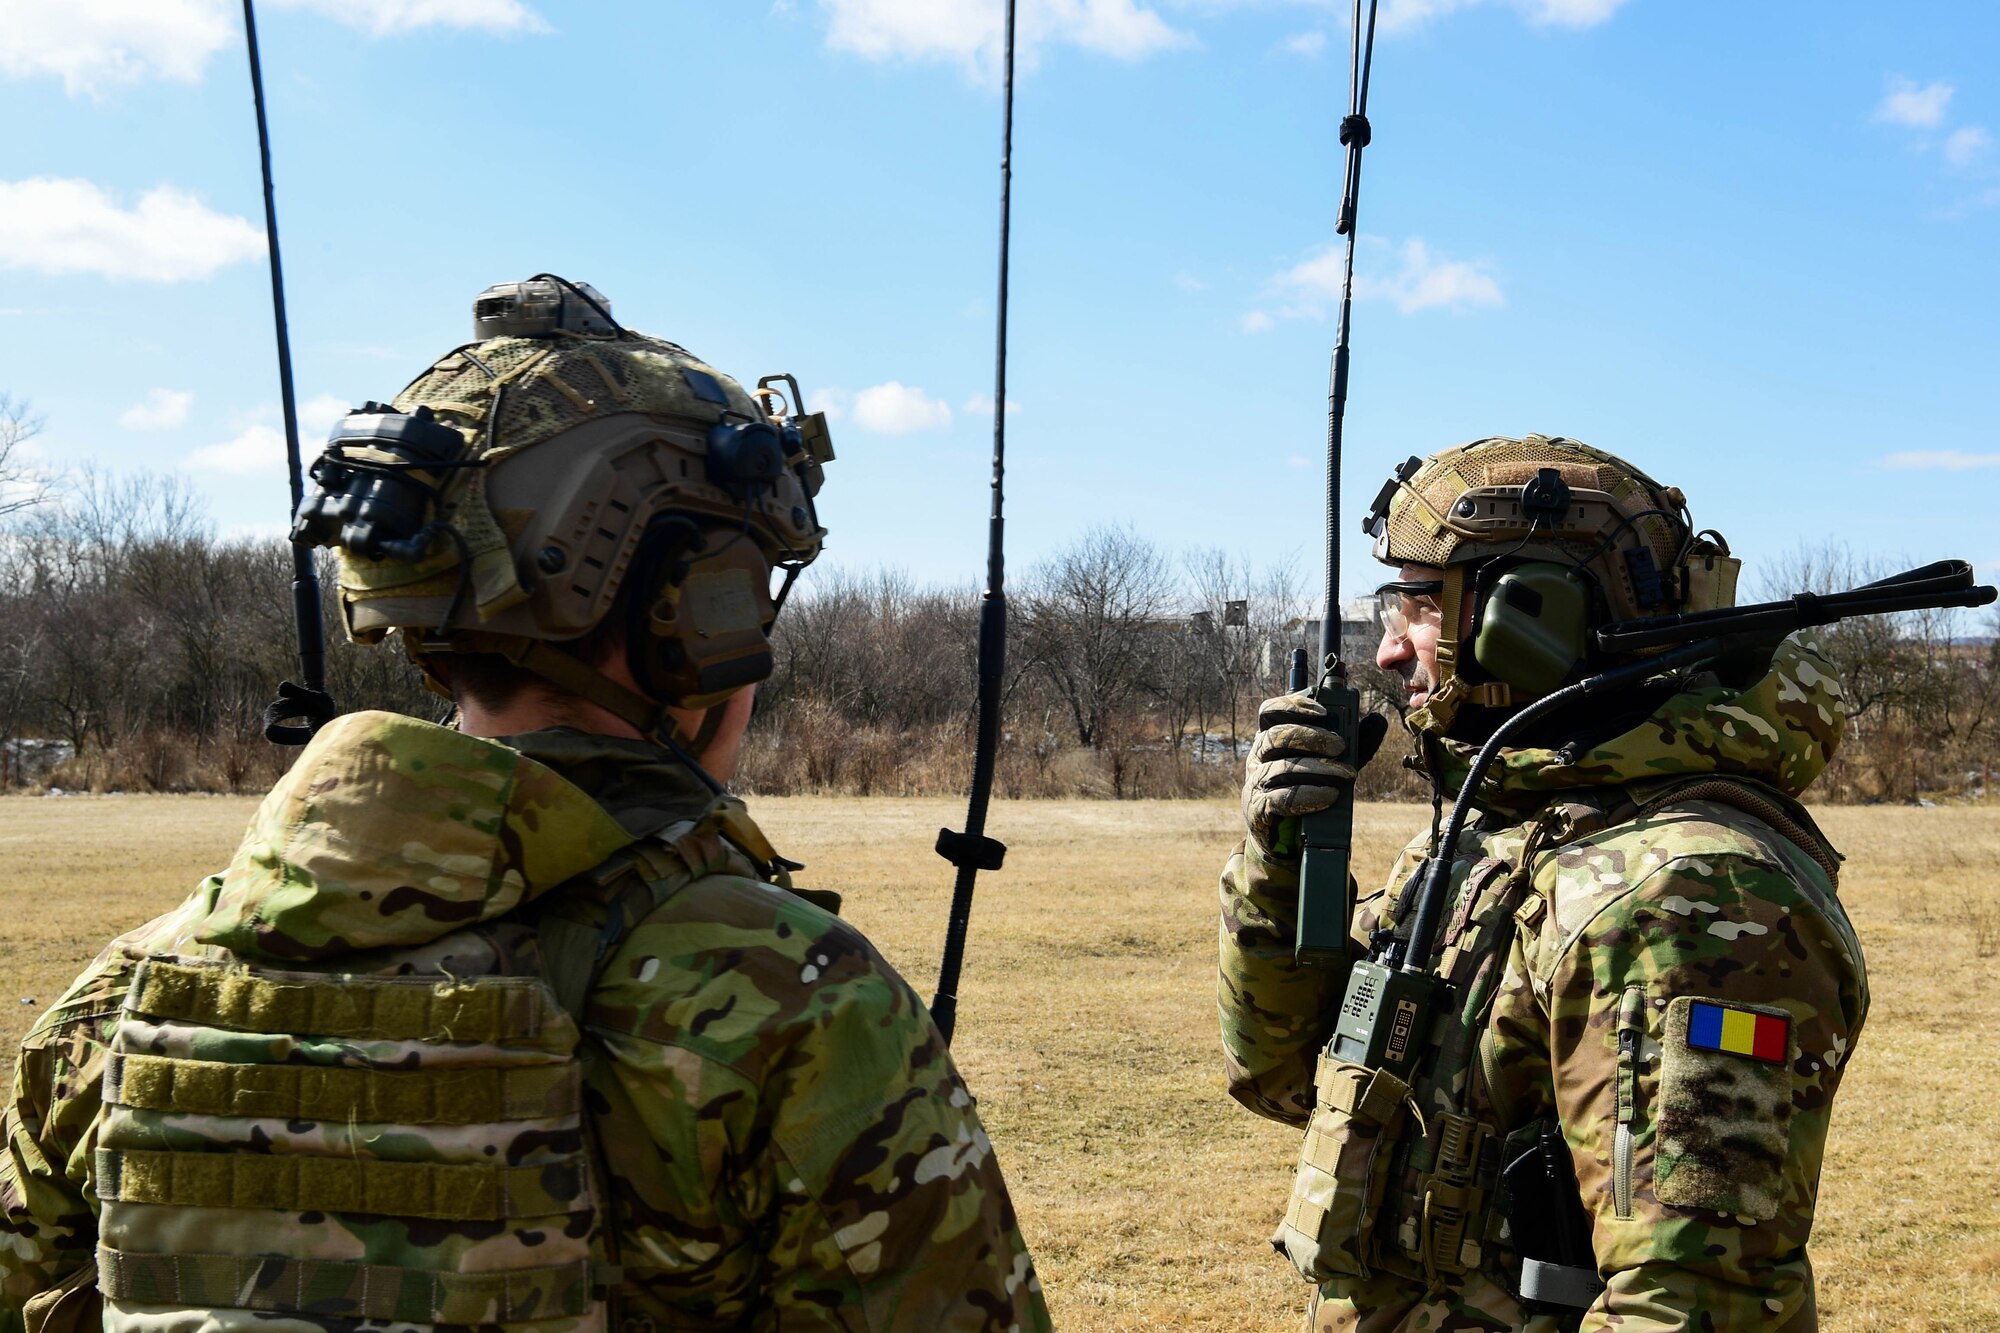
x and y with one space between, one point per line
1405 603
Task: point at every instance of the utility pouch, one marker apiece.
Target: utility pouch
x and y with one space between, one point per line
1546 1221
1330 1222
72 1307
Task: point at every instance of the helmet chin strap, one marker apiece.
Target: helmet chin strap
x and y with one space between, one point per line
1453 691
566 673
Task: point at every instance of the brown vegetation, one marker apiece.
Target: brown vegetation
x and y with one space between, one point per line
137 651
1087 1028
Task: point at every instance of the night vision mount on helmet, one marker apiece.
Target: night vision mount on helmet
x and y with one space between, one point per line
508 494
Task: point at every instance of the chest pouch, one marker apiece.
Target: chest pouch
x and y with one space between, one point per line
1398 1176
1329 1226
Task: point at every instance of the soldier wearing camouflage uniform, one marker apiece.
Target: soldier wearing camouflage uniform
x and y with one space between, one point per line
520 1025
1650 970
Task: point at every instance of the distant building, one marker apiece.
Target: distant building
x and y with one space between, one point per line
1360 633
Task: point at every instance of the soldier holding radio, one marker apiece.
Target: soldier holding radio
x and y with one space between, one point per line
1612 1112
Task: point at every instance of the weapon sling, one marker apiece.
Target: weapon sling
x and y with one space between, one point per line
972 851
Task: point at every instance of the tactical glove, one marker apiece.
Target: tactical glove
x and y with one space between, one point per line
1297 766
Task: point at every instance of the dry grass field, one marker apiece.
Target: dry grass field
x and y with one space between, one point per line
1087 1027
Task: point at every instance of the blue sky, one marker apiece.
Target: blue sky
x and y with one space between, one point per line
1750 247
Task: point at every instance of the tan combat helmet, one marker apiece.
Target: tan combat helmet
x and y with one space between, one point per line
1547 539
504 498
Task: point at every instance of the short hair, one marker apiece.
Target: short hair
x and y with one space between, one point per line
494 682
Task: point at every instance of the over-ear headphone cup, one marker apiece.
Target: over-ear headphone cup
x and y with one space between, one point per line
1534 630
654 572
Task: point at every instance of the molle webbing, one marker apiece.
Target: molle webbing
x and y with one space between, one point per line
358 1291
291 1183
495 1011
376 1150
449 1096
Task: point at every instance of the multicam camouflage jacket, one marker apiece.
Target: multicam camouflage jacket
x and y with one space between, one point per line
786 1141
1645 946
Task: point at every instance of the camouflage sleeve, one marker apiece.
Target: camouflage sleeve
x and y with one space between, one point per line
801 1152
48 1229
1697 1136
1276 1014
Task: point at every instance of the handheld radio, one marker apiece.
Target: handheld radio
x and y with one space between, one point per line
1327 837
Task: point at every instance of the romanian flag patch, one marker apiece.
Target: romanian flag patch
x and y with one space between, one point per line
1733 1031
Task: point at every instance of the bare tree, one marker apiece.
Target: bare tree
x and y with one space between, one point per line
1093 614
22 485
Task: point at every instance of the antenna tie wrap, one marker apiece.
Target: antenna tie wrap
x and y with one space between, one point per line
970 849
1355 130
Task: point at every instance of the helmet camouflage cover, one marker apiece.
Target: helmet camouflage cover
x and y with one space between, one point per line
1628 537
575 444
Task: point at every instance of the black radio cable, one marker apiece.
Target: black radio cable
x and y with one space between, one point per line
308 699
972 851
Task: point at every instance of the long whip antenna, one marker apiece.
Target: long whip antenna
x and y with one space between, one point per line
308 699
1355 134
972 851
1327 836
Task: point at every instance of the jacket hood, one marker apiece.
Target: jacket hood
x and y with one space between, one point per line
1781 729
389 832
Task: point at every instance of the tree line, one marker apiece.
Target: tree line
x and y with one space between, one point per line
138 649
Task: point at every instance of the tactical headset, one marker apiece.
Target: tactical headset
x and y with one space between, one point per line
1543 561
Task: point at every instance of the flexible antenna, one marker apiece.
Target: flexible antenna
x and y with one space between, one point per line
309 699
1325 838
972 851
1355 134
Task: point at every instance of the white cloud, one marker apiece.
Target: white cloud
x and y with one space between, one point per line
72 226
897 409
1919 107
258 447
1417 280
92 45
384 18
163 409
252 450
981 405
1404 14
1255 321
316 417
1189 283
968 32
1569 13
1424 281
834 402
1967 145
1307 44
1945 460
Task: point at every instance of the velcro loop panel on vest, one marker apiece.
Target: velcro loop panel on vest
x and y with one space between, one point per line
344 1290
489 1010
447 1096
288 1183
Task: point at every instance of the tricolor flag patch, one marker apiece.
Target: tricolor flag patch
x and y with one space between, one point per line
1733 1031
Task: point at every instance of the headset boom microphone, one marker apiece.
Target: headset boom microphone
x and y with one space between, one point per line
972 851
1327 836
308 699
